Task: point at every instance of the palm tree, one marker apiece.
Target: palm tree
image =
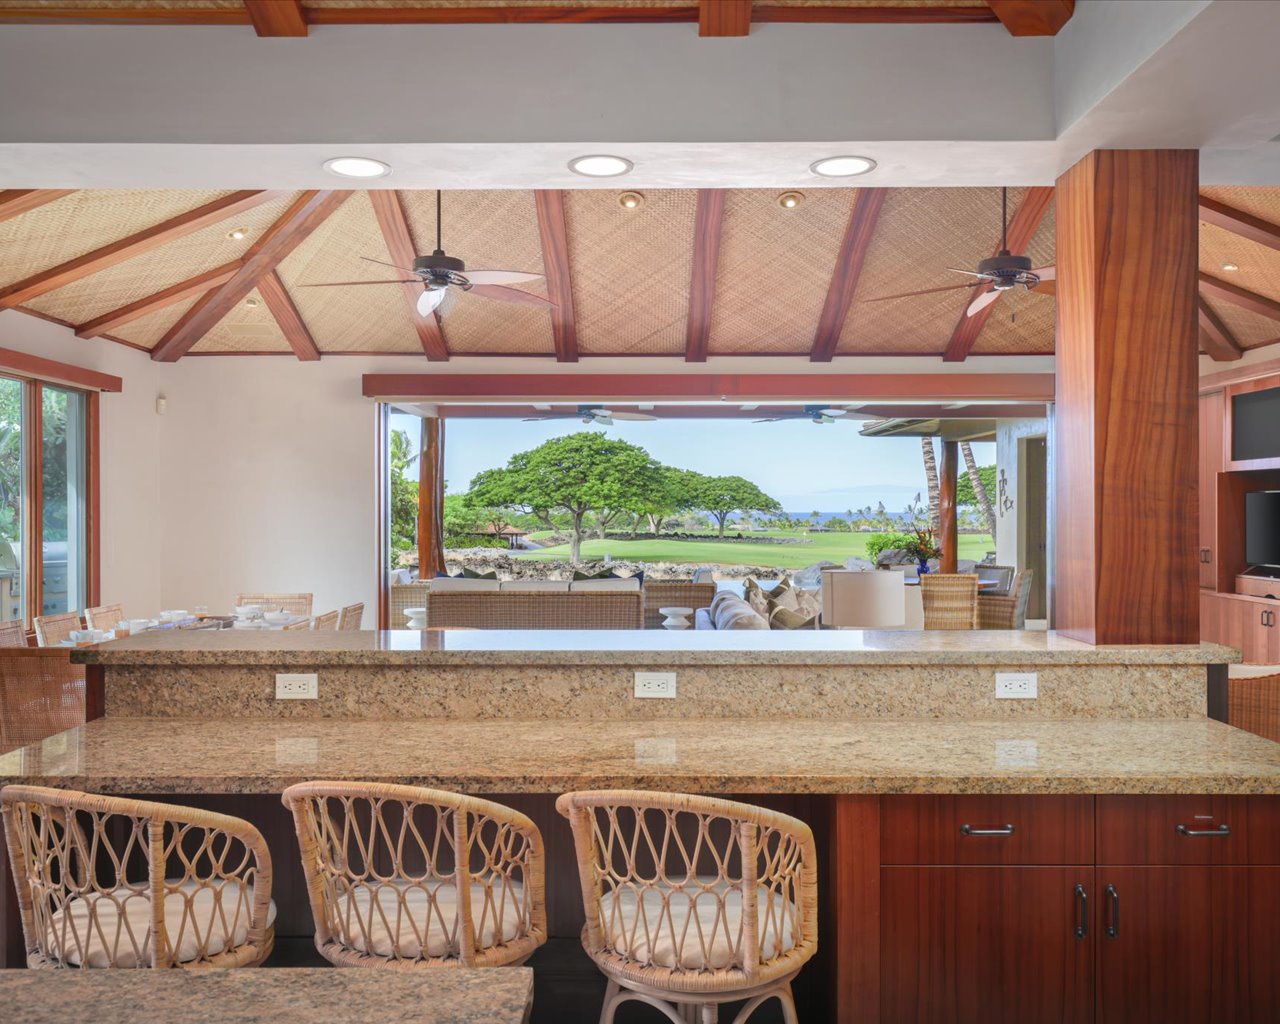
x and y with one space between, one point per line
931 479
979 490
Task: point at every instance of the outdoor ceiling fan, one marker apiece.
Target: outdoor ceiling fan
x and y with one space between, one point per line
439 272
594 414
1002 272
815 413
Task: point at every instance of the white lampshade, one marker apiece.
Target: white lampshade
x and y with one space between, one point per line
874 599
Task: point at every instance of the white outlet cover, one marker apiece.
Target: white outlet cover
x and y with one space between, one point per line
660 685
297 686
1017 685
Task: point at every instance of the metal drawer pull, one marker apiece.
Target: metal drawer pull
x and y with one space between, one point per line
1113 928
1082 900
1003 830
1221 830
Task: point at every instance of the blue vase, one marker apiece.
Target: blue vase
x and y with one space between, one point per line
923 566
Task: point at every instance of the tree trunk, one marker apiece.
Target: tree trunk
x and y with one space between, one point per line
655 524
975 478
721 518
575 542
931 478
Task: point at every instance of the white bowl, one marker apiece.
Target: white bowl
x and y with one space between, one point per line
246 611
277 618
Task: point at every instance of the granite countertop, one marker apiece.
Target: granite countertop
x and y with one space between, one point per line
280 995
631 647
175 756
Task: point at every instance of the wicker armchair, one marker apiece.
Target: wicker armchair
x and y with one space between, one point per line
13 634
1000 575
674 594
400 876
950 600
352 616
692 902
328 622
107 882
1008 611
296 604
523 610
104 616
51 630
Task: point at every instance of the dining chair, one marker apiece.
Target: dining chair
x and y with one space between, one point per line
108 882
51 630
1000 575
13 634
328 622
404 877
297 604
1008 611
104 616
693 901
300 624
352 616
950 600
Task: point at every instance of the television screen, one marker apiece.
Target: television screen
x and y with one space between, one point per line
1255 425
1262 527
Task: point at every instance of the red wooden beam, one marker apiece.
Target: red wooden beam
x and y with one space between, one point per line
524 13
277 17
35 13
1240 223
197 285
555 264
1242 297
1022 228
287 317
844 281
707 220
1215 339
733 411
925 15
306 214
27 365
1033 17
395 233
14 202
724 17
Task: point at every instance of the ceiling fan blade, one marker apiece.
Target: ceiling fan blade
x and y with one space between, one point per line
971 273
349 284
1049 273
771 419
429 300
384 263
500 276
924 291
497 291
632 417
982 302
1049 287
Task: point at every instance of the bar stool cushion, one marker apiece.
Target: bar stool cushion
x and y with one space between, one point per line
387 930
86 931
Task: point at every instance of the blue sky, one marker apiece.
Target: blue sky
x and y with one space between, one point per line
827 468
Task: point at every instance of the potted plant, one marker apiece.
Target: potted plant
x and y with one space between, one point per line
922 547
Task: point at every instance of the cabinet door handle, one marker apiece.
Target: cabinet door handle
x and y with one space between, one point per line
1082 912
1221 830
1113 926
1003 830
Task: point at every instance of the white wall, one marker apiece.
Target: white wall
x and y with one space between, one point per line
1008 434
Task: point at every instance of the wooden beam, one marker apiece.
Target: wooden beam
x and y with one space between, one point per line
948 522
59 373
277 17
197 285
134 245
724 17
14 202
831 15
1022 228
1215 339
286 314
707 220
431 499
1033 17
844 280
306 214
523 13
1239 223
1216 288
395 233
555 264
120 14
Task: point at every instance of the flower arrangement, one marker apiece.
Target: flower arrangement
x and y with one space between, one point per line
922 546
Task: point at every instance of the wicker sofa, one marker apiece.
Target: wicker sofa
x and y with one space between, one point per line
497 609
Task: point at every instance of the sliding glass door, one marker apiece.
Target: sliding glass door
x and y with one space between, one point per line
13 494
62 501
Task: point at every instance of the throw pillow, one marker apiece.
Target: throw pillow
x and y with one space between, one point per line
793 608
603 574
471 574
756 597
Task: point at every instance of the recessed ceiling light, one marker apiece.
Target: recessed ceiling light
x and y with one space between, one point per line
357 167
600 165
238 233
1230 266
251 303
842 166
790 200
630 200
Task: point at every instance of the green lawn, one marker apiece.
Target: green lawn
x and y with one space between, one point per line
819 547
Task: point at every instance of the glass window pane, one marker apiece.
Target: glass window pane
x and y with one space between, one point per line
63 514
12 498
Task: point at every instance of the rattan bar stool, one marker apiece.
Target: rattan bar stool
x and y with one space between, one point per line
692 902
404 877
106 882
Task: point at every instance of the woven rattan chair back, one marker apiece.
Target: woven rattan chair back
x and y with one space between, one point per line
13 634
692 901
1001 575
328 622
406 877
950 600
295 604
52 630
352 617
104 616
107 882
1253 704
1006 611
674 594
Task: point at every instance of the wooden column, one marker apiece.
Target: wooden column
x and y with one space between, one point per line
431 499
948 531
1125 456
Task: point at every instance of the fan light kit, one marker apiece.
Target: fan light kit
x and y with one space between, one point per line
357 167
790 200
600 165
630 200
235 234
1230 266
842 166
251 303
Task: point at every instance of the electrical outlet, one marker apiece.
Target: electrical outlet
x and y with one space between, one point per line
656 684
1016 685
297 686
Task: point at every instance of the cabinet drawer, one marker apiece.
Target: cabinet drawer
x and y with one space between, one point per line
998 829
1188 829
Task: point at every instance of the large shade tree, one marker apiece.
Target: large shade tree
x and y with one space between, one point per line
721 496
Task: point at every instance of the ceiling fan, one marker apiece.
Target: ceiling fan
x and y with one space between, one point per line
594 414
439 272
1002 272
815 413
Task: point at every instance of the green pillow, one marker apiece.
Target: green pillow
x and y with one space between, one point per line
471 574
603 574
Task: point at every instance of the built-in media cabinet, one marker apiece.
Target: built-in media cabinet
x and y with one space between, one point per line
1239 519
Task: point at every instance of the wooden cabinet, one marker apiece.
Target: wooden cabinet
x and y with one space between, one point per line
1249 624
1211 464
996 829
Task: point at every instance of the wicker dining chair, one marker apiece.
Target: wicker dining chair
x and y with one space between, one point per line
300 624
1000 575
51 630
296 604
692 901
352 616
13 634
404 877
1007 611
108 882
328 622
104 616
950 600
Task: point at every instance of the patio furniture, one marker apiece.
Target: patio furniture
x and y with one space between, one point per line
90 870
517 610
352 617
52 630
13 634
1007 611
328 622
693 901
41 693
298 604
999 575
659 594
1253 704
400 876
104 616
950 600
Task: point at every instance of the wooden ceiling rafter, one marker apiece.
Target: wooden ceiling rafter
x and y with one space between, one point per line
554 234
1033 17
1216 288
724 17
1022 228
14 202
708 218
287 317
844 279
307 213
277 17
1216 340
1255 229
136 244
192 286
389 211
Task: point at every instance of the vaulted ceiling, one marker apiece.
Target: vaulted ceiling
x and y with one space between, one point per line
688 273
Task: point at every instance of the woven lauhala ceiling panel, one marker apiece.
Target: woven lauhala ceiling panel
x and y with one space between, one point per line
630 270
246 328
1259 264
1250 329
775 269
1023 322
1257 200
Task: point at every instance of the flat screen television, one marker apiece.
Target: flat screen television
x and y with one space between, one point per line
1262 528
1255 425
